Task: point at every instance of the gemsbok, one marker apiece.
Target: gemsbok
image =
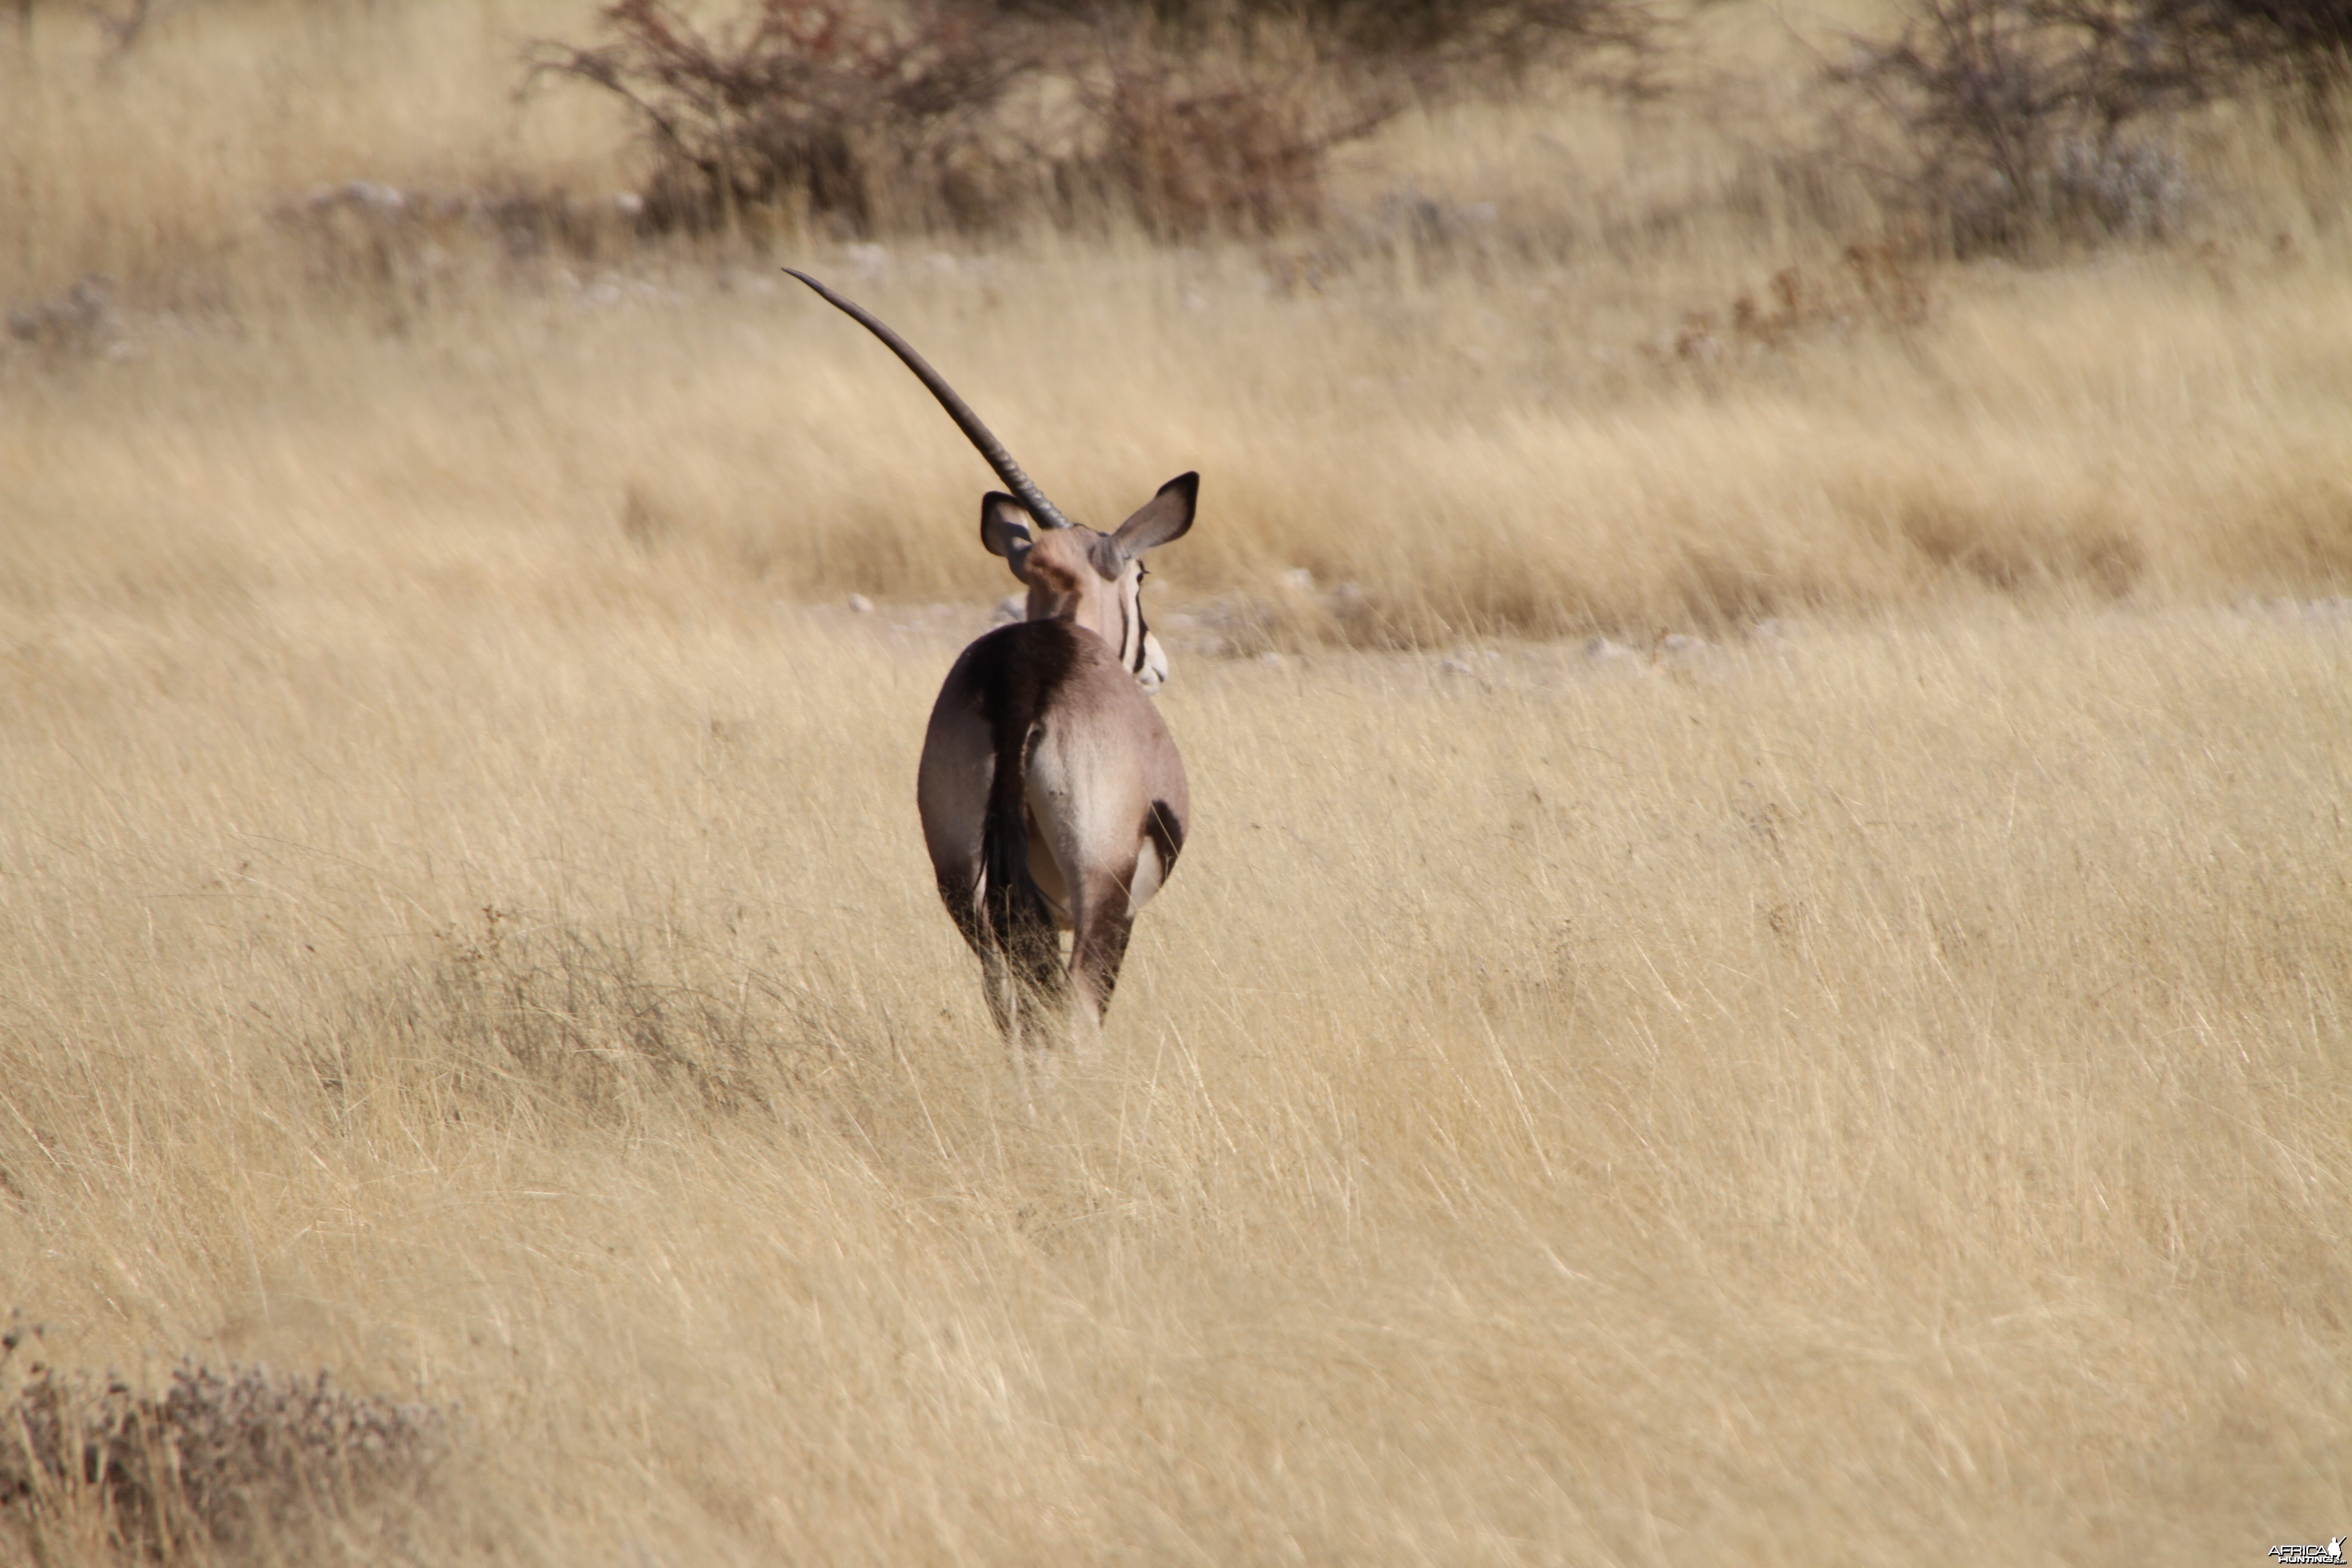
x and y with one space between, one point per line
1051 795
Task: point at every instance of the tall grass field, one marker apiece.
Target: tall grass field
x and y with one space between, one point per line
1763 972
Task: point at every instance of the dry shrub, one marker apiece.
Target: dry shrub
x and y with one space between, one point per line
220 1458
825 102
1468 40
2004 120
2007 119
1883 287
1239 155
509 1016
1961 528
1189 118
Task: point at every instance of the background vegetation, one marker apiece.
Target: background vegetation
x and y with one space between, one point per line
1763 971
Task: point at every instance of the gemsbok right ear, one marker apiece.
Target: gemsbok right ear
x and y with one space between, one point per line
1005 528
1163 518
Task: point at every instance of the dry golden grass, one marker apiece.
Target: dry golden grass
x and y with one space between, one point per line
1879 1099
1873 1094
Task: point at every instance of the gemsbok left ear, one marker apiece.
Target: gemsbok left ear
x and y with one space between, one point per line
1005 528
1163 518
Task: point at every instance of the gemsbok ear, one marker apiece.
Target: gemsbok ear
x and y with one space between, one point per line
1163 518
1005 528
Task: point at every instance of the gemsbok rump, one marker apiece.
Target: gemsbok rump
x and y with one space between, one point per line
1051 795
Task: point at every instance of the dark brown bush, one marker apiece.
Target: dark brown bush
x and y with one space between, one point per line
2003 120
219 1457
1484 36
967 112
821 101
1187 158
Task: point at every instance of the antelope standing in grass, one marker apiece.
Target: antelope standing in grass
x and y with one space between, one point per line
1051 795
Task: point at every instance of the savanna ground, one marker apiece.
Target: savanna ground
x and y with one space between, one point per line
1868 1085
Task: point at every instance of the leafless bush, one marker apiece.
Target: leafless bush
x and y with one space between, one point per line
1191 117
1421 37
947 111
2003 119
821 101
1189 155
219 1457
2306 44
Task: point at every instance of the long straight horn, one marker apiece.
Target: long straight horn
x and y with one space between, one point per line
1019 483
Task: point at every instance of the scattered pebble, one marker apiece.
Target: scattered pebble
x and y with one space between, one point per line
859 604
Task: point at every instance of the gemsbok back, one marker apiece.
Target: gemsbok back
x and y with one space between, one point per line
1051 795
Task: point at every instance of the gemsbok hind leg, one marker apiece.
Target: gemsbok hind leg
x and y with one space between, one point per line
1096 952
1090 804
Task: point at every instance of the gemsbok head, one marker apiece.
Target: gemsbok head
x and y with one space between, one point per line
1051 795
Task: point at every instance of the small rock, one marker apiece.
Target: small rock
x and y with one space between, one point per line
1297 580
1601 650
1010 608
369 193
859 604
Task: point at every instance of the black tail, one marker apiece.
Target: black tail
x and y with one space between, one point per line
1014 672
1019 922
